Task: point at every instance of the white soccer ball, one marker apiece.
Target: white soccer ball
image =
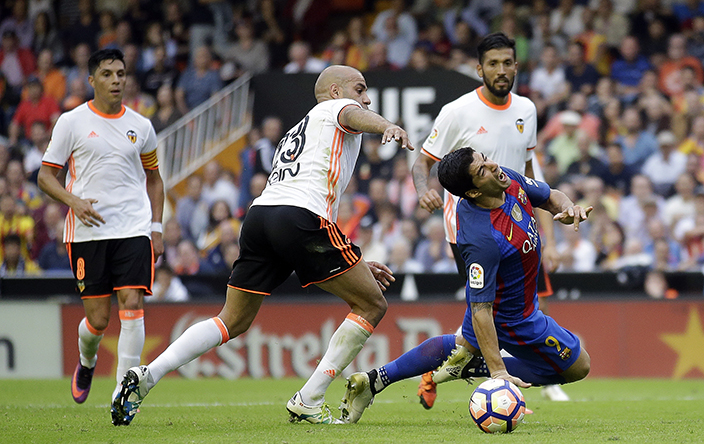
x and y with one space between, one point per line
497 405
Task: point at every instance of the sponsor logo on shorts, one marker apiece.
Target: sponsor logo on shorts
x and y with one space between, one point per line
476 276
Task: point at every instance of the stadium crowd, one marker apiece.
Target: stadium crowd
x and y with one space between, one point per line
618 86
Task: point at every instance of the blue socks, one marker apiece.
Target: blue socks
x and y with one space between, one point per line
424 358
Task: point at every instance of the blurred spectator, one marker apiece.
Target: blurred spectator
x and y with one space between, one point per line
219 212
172 237
667 258
666 165
167 287
612 125
133 60
617 176
161 73
628 70
563 148
108 33
609 242
387 228
33 153
198 82
432 252
38 107
580 76
123 37
400 189
301 59
689 232
567 18
695 38
576 253
588 162
636 143
247 53
378 58
543 36
401 258
310 19
155 40
686 11
357 44
166 112
47 227
80 55
372 249
46 37
54 256
265 147
77 94
87 28
435 43
16 63
25 192
188 262
14 264
397 29
592 188
192 209
547 82
225 234
694 144
13 222
603 94
216 186
270 26
176 26
136 100
589 124
52 78
677 58
610 23
19 23
637 208
657 113
649 12
681 204
375 161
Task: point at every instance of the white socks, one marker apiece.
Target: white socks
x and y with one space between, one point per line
88 342
130 342
344 346
196 340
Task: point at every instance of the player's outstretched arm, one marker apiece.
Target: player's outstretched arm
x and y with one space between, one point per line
82 208
485 331
564 210
370 122
428 198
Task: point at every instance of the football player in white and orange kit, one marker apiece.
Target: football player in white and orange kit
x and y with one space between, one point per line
115 197
291 226
502 126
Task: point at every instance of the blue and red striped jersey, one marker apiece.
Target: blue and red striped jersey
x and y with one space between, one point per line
501 249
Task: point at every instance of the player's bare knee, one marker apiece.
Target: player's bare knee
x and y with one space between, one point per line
98 321
580 369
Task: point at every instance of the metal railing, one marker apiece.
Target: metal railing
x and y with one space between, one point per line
204 132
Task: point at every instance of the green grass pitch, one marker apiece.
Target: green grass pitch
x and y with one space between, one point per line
253 411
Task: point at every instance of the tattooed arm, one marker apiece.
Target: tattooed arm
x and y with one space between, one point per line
485 331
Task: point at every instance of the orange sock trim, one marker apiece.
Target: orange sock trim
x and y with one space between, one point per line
93 330
357 319
223 330
131 315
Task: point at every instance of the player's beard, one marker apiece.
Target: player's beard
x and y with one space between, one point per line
500 93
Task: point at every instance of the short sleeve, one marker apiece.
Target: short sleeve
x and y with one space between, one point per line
148 151
444 136
538 192
61 144
336 108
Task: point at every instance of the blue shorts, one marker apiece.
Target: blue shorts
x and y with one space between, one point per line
537 341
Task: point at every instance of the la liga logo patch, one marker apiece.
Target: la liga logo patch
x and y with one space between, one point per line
476 276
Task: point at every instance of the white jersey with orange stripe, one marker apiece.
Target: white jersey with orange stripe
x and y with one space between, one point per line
314 162
506 134
106 155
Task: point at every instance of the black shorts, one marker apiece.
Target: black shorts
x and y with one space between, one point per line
544 284
277 240
104 266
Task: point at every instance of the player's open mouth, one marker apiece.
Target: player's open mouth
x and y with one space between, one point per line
502 176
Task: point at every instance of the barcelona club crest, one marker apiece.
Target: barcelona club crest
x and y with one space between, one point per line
133 136
520 124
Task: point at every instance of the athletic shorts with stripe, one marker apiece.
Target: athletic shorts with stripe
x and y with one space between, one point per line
104 266
537 341
277 240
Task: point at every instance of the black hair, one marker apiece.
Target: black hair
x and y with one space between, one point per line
12 239
104 54
497 40
453 172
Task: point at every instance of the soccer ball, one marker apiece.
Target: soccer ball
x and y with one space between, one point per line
497 406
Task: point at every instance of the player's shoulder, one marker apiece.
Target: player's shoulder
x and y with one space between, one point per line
136 117
463 101
522 103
